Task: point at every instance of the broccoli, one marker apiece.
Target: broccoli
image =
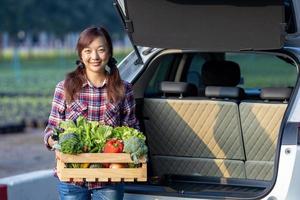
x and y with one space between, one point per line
69 143
136 147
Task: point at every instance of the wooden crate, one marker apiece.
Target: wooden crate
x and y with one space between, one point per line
99 174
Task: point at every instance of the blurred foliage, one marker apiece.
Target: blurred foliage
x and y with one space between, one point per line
57 16
26 109
39 74
28 99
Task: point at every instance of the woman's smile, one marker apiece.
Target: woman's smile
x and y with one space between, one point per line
95 63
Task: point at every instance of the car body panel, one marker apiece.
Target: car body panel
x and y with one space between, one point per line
206 26
154 197
295 113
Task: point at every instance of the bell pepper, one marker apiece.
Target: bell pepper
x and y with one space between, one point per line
84 165
113 146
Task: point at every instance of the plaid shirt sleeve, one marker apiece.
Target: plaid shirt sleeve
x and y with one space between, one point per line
57 111
129 118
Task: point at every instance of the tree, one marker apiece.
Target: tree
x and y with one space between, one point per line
56 16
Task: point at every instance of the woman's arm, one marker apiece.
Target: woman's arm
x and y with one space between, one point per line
128 112
57 113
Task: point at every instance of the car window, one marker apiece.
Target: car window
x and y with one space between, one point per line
193 74
162 73
258 70
264 70
128 68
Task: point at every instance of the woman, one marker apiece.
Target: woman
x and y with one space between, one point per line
94 90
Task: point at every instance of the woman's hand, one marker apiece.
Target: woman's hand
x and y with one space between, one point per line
51 142
57 155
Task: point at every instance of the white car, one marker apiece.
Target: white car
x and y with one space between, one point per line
217 96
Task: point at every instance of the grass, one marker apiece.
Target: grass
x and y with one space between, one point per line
260 70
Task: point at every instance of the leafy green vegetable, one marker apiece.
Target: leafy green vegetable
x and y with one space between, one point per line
68 126
69 143
95 165
56 133
73 165
85 133
136 147
125 132
100 135
86 136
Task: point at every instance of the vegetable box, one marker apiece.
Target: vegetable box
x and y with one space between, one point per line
100 174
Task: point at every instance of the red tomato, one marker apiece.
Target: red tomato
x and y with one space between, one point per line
113 146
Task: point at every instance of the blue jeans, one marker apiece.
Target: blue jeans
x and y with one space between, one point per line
74 192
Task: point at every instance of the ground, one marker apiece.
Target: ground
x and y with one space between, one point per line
24 152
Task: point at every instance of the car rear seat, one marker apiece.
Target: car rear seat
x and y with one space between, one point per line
195 136
260 123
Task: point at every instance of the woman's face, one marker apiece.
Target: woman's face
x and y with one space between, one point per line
96 55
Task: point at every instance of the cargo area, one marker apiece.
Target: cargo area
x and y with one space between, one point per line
210 128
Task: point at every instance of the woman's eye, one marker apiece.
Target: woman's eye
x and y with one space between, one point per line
87 51
101 50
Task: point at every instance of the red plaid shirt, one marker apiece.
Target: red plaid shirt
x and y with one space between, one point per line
92 103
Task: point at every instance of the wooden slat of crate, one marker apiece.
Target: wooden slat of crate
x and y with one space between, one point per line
97 158
103 174
99 174
129 180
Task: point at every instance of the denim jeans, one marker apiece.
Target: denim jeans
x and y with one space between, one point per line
74 192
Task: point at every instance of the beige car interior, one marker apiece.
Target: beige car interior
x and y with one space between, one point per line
221 134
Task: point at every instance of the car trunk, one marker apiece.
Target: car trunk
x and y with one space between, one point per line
185 160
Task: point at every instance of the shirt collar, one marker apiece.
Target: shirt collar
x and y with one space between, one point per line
88 83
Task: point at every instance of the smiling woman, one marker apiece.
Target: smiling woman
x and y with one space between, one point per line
96 92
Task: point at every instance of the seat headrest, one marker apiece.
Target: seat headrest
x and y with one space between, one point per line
181 88
224 92
221 73
276 93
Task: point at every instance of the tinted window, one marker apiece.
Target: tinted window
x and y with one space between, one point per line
258 70
193 74
162 73
264 70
